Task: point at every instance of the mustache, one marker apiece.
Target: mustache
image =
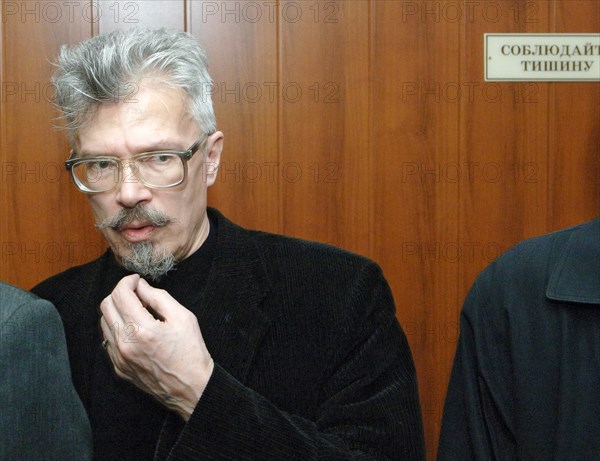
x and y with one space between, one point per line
142 213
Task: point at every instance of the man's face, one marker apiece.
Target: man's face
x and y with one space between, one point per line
155 118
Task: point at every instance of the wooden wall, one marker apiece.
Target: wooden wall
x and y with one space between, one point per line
361 123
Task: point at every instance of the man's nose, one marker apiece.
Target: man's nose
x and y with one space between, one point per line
132 191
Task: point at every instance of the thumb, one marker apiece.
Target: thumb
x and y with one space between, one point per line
158 302
129 282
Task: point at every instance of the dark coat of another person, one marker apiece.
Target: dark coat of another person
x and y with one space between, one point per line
41 416
526 378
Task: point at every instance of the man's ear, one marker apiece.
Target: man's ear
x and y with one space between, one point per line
214 144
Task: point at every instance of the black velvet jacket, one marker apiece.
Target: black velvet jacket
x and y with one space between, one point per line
310 360
527 369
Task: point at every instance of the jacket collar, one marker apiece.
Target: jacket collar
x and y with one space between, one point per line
232 317
576 274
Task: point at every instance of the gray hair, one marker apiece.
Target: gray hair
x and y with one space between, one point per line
107 68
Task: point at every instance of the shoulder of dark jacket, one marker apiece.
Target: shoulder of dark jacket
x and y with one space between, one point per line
564 264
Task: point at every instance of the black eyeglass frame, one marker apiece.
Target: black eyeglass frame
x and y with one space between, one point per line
185 156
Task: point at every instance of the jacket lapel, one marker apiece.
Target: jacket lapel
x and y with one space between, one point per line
231 315
232 318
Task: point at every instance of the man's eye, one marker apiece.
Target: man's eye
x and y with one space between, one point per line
159 159
99 164
163 158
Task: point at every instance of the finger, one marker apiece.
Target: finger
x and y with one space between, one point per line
127 303
159 301
110 305
124 291
130 281
109 311
110 332
112 335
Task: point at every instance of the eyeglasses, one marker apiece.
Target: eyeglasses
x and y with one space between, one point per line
157 170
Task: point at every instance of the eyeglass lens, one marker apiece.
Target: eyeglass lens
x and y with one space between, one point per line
154 170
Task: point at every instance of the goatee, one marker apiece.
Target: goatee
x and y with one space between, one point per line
151 260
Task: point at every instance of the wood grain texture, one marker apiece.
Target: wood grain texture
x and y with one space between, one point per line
46 224
110 15
241 42
504 148
574 129
324 122
414 141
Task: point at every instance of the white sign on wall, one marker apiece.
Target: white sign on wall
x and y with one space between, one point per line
542 57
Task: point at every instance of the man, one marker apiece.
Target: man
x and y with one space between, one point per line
41 416
225 343
526 372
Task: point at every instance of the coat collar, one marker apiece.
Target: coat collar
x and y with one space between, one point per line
576 275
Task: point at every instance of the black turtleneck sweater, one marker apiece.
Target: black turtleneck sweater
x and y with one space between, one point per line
125 421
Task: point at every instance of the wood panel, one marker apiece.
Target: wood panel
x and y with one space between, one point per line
504 144
574 129
324 122
110 14
414 140
241 41
45 223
